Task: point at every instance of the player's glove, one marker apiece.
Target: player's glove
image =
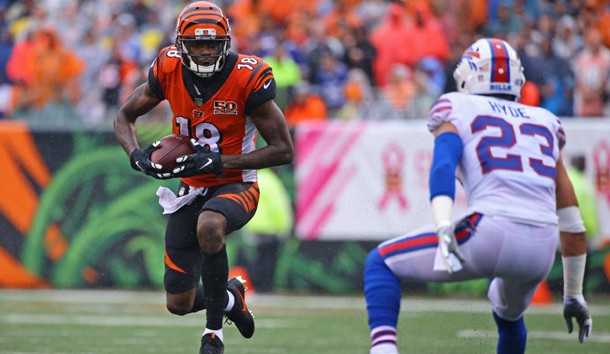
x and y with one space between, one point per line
574 308
201 162
140 161
447 245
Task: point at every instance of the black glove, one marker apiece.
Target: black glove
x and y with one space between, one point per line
201 162
573 308
140 161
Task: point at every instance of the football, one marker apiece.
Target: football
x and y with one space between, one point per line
172 147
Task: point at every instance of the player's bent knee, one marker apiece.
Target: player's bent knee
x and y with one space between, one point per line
374 260
376 272
211 245
211 242
180 304
178 308
210 232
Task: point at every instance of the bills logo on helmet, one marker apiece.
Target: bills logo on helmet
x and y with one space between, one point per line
471 54
500 87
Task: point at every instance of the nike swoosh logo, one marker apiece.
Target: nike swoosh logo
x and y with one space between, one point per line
266 85
206 164
243 301
140 167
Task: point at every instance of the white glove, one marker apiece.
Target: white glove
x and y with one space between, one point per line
450 254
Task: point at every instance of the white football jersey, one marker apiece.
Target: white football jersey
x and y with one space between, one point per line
509 158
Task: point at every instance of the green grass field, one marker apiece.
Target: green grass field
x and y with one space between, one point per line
136 322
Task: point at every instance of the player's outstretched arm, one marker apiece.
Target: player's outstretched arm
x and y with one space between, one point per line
573 255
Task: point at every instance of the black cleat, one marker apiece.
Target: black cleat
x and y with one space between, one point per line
211 344
239 314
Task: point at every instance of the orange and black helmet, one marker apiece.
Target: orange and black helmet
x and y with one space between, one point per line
203 23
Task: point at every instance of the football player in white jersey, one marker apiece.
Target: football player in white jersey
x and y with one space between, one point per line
519 198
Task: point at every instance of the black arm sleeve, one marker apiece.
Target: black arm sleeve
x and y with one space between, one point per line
266 91
154 84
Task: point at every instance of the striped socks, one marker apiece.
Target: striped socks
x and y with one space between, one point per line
383 340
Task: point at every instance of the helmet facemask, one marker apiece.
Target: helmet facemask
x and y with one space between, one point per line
203 65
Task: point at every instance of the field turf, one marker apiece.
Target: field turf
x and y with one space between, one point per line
123 322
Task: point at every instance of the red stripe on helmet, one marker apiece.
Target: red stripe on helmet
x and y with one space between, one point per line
472 53
499 61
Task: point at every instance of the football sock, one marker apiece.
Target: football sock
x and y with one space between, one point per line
230 301
382 293
199 303
218 333
383 340
512 335
214 278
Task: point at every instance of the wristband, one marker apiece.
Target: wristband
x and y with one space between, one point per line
570 220
441 210
573 275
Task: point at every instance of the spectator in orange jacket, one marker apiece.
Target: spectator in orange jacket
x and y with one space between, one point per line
305 106
389 39
55 68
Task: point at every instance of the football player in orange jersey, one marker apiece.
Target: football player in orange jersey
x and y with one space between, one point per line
221 100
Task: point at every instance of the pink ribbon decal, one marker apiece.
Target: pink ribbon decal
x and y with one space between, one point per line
393 163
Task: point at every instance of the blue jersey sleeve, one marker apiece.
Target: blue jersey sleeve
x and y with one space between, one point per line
447 154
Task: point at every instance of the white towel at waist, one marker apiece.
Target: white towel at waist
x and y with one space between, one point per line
171 203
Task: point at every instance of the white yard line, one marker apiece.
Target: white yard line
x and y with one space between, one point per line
409 304
114 315
168 320
123 320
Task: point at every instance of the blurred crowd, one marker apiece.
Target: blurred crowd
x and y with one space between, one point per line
75 61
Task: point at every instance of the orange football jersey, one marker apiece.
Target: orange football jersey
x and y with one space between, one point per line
214 111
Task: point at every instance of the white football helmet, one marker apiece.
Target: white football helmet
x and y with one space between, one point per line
490 66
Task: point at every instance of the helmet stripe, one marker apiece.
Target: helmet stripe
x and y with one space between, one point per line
202 12
198 22
500 68
196 10
191 22
195 16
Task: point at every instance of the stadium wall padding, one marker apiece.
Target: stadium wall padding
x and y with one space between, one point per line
75 215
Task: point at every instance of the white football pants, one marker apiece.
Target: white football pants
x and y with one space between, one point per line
516 256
